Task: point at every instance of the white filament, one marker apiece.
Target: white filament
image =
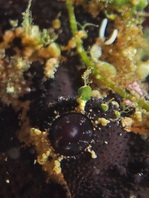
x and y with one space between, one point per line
112 38
103 28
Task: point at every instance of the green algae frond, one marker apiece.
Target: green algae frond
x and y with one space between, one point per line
90 64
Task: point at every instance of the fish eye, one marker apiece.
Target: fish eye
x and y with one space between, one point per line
71 133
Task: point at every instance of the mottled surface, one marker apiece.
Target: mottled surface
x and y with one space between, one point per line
120 169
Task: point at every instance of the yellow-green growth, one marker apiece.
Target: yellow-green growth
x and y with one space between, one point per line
85 93
90 64
105 107
42 37
138 4
27 18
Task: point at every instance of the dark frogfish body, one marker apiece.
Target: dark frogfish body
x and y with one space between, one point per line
101 159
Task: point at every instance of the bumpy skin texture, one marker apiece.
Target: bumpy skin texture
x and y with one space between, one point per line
121 168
